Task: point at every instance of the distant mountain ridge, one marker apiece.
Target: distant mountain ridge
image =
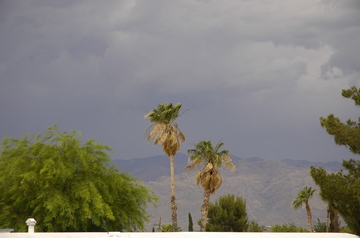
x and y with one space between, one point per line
267 186
151 168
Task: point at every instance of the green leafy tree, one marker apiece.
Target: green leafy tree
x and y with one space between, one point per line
320 226
303 197
290 227
168 228
67 185
347 134
228 213
191 225
209 177
254 227
342 190
165 131
346 229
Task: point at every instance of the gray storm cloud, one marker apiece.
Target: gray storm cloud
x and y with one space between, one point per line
256 74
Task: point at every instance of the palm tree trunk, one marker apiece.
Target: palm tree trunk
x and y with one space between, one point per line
173 204
205 209
308 211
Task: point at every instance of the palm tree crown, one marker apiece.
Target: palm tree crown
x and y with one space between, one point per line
204 152
164 113
164 129
303 197
212 158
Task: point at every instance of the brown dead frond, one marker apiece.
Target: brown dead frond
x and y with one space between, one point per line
208 167
193 164
198 177
156 131
216 182
163 138
182 136
156 140
227 162
167 136
205 179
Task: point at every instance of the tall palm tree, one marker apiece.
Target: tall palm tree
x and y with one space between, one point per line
165 131
304 196
208 177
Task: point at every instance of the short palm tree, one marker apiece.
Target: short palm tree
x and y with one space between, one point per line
165 131
208 177
304 196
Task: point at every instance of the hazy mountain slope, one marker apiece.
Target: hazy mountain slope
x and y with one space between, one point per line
268 187
151 168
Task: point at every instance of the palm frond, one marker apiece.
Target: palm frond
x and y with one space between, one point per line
303 197
205 180
182 137
208 167
164 113
215 183
164 130
198 177
194 161
212 158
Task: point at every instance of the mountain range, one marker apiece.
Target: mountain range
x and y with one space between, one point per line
268 187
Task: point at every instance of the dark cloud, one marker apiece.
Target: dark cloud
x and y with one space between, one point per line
256 74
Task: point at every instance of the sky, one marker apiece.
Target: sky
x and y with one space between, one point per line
256 75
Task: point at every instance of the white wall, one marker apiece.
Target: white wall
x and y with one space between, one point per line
177 235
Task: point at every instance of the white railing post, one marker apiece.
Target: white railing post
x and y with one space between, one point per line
31 225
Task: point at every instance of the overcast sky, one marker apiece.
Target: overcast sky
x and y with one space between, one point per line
255 74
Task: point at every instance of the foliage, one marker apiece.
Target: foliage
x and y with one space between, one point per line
168 228
320 226
254 227
204 153
67 185
209 176
290 227
191 225
165 130
342 190
228 213
303 197
346 229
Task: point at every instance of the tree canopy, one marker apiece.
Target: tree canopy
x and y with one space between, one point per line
228 213
346 134
67 185
290 227
342 190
